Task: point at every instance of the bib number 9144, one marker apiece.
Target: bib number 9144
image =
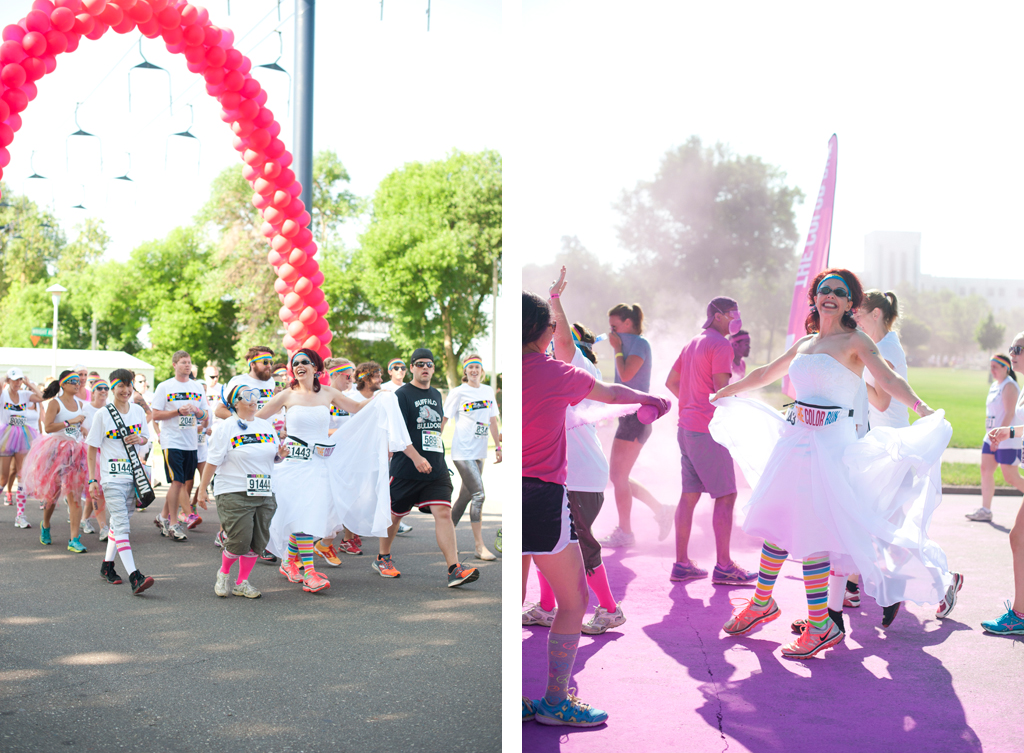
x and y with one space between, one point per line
257 485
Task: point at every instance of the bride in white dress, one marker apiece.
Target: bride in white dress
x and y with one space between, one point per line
820 494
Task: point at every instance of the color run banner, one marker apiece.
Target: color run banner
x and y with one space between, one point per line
815 256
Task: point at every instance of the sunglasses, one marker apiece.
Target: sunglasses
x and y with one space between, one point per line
398 368
424 364
839 292
1016 350
72 380
101 389
301 362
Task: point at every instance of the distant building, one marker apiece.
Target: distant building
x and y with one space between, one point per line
892 260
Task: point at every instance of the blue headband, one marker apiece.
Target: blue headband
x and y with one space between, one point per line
829 277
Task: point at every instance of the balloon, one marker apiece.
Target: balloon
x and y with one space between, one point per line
322 308
250 88
230 100
193 34
98 30
16 99
216 56
315 297
158 5
271 170
63 19
214 75
312 342
227 38
297 258
295 208
13 33
318 326
34 68
73 5
288 273
5 157
30 91
14 121
111 15
286 178
245 67
34 43
303 239
286 159
94 7
283 246
195 53
324 352
150 29
326 337
12 52
212 35
247 108
317 279
169 18
293 302
6 134
56 42
262 186
84 23
49 64
290 228
273 216
5 112
296 329
44 5
250 173
204 16
261 202
282 287
281 199
295 189
303 286
274 258
275 149
234 81
255 158
268 230
189 14
140 13
289 343
73 39
274 129
38 21
13 75
232 59
127 26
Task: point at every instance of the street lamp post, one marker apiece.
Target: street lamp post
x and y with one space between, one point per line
55 292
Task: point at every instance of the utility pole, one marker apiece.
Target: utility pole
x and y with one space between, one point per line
494 325
305 14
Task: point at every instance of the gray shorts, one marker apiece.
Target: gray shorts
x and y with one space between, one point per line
706 465
246 521
584 507
632 429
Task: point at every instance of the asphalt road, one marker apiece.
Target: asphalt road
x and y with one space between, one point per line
369 664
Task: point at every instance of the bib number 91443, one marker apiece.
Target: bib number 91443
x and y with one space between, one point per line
299 452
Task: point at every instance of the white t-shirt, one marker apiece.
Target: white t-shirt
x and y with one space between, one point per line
390 386
113 458
471 409
587 469
179 432
17 411
896 416
994 414
244 457
266 388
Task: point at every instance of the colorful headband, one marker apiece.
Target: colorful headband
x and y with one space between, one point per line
829 277
72 374
100 383
340 369
1002 361
115 383
281 372
393 361
471 361
260 357
577 336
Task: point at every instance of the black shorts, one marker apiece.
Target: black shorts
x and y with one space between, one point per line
632 429
547 521
181 465
407 493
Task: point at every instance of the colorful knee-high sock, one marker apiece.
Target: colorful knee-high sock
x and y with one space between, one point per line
20 499
227 559
836 591
111 548
547 594
304 544
561 656
598 583
293 548
124 550
816 586
245 566
772 558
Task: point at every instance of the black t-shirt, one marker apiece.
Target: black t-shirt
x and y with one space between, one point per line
422 411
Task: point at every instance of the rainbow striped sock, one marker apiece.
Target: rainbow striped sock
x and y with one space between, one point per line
293 548
772 558
304 544
816 586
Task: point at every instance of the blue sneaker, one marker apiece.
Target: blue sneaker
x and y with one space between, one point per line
733 575
44 536
1008 624
528 712
572 712
74 545
686 571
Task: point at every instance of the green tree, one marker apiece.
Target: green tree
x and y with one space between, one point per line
333 203
989 334
427 255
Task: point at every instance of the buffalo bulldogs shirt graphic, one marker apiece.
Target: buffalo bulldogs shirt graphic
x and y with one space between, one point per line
423 411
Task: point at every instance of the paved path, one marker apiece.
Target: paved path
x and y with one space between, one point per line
368 665
962 455
671 681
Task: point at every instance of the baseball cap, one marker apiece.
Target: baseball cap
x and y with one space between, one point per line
15 373
720 305
421 353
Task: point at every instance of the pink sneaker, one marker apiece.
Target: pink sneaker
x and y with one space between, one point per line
192 521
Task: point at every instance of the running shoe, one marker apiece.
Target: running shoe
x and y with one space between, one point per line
528 713
9 500
221 586
292 570
178 532
686 571
462 575
982 514
485 555
350 547
87 527
851 599
20 521
618 538
104 533
157 522
313 582
889 613
404 528
139 582
537 615
165 527
800 625
811 644
74 545
267 557
328 553
497 541
666 517
1010 623
949 600
192 521
572 712
384 565
358 539
44 536
246 589
107 571
749 616
220 538
603 620
733 575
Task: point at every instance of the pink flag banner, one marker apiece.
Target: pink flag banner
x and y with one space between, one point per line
815 255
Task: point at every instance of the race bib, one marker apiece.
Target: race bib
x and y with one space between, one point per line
119 467
481 430
186 422
299 452
432 441
17 420
202 437
257 485
72 431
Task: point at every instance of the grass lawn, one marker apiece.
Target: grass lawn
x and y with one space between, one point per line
961 393
967 474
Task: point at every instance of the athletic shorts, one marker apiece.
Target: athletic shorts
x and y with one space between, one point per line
632 429
585 507
181 465
1004 456
547 520
706 465
407 493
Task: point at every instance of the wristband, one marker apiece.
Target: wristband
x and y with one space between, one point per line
619 355
1011 432
93 481
67 424
553 295
916 406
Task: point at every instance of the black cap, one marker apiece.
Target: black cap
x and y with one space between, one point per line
421 353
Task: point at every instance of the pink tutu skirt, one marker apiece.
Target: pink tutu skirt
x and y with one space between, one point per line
15 440
55 468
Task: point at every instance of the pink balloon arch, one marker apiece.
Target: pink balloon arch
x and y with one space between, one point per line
29 51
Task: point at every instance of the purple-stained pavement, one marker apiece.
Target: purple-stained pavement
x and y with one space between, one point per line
671 680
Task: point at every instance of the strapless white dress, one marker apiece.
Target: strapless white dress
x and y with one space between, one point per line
866 502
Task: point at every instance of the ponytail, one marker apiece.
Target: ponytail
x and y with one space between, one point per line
54 387
634 313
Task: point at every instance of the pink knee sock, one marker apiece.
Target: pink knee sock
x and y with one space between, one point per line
547 595
598 583
245 566
227 559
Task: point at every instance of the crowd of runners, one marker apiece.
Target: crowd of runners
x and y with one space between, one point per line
302 459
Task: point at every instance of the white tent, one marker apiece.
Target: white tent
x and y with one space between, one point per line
37 363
